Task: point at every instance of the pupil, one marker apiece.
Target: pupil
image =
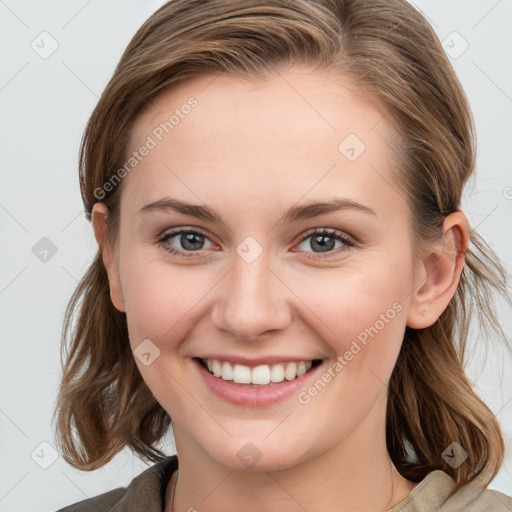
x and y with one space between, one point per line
324 243
187 241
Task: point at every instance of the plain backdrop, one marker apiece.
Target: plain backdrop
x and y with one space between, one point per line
56 58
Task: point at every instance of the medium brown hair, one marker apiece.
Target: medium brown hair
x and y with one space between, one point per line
388 49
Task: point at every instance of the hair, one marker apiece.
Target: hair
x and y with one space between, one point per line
394 57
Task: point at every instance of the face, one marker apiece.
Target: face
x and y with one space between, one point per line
256 282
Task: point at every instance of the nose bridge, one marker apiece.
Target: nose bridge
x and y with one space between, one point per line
252 300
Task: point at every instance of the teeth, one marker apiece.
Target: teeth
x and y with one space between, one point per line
241 374
259 375
227 371
277 373
217 368
290 371
301 369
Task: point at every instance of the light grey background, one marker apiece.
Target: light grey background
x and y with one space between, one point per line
45 103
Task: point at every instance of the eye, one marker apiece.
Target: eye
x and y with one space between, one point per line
188 241
324 241
191 241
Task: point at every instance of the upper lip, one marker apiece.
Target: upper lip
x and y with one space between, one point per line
257 361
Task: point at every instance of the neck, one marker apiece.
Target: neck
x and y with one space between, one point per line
365 480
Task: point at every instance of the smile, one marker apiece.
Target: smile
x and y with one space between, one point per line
261 375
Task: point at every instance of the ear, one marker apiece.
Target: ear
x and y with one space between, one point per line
439 273
99 217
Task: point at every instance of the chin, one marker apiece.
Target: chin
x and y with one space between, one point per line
257 456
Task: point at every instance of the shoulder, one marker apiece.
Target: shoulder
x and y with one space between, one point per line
437 492
473 498
145 492
101 503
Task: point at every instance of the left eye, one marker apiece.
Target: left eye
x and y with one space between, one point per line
325 240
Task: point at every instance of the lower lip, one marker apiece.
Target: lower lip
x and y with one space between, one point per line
248 396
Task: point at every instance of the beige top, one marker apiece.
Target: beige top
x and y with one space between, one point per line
434 493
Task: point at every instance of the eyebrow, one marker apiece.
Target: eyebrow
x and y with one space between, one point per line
294 214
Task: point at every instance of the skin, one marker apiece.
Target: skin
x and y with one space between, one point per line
251 150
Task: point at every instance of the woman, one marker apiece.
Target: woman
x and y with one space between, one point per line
284 269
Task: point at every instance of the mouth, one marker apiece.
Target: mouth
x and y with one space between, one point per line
263 375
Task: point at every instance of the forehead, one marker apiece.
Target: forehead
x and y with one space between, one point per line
299 132
308 102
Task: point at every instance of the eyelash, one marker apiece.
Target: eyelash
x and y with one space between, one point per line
348 242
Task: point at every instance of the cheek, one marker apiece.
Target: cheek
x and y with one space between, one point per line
160 299
360 310
361 316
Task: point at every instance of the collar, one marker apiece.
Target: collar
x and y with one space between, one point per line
147 490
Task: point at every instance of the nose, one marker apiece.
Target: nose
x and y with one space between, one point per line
252 300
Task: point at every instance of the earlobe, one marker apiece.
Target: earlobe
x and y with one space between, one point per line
440 273
99 217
